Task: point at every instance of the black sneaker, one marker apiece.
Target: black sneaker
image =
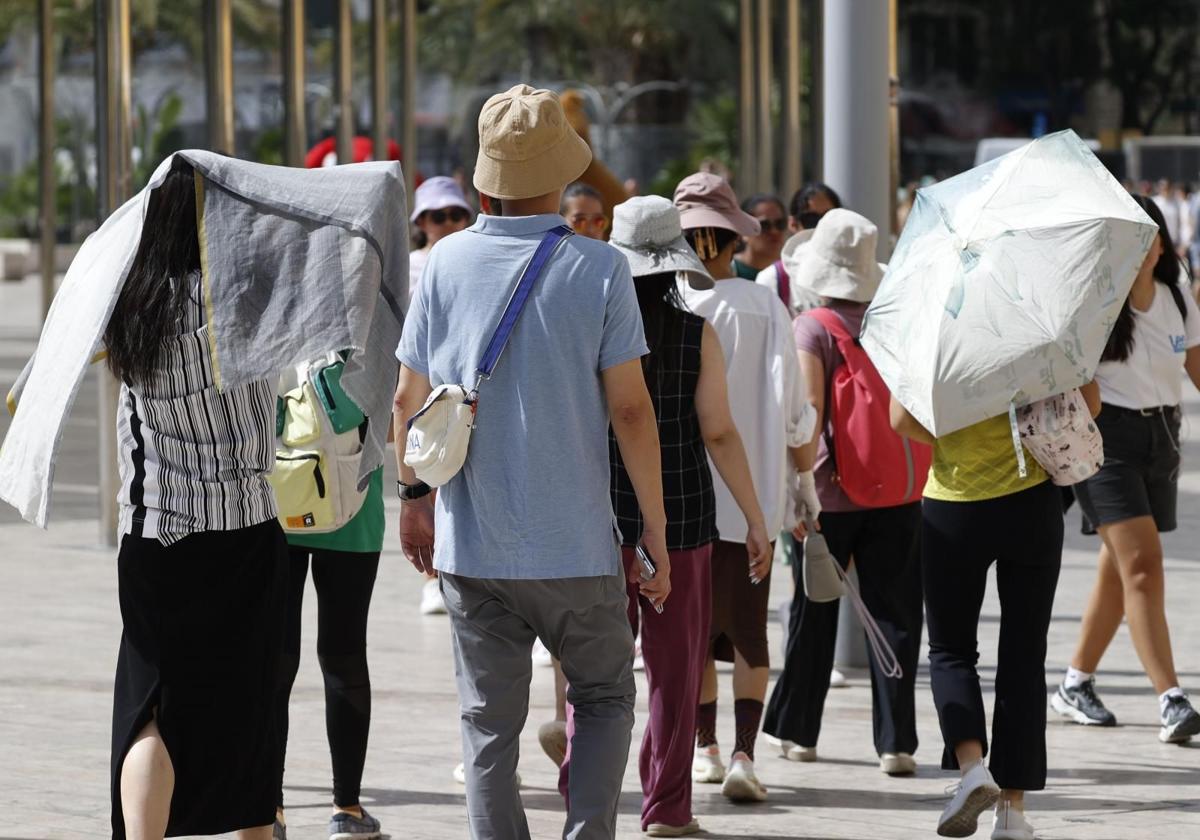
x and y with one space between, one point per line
1179 721
1081 705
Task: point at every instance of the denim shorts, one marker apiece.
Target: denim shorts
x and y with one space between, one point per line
1140 475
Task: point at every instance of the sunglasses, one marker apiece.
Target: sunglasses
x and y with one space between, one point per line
454 214
581 220
773 224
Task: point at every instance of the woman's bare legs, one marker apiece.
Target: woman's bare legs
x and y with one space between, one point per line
1102 616
147 782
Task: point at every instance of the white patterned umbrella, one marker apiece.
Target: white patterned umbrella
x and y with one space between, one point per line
1005 284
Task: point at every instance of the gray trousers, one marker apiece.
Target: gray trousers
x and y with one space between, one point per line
583 622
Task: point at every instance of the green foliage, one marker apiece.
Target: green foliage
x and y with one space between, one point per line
156 136
713 128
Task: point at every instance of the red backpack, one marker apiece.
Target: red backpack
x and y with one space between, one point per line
875 466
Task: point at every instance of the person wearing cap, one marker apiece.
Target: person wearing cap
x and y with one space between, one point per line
439 210
685 373
524 542
839 268
767 394
808 205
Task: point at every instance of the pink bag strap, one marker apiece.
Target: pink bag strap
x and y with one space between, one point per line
884 655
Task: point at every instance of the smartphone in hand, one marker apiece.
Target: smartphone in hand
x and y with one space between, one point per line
649 570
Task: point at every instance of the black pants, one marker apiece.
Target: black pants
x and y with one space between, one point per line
344 581
883 544
1023 534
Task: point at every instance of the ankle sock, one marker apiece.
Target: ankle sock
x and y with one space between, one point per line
747 715
1076 678
1173 691
706 724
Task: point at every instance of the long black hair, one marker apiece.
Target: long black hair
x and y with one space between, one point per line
662 316
152 300
798 207
1166 271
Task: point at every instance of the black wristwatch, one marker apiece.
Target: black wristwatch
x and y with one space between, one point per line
412 492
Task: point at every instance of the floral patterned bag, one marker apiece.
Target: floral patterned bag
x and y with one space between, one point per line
1062 436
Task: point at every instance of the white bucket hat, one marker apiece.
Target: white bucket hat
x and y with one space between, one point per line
839 260
646 230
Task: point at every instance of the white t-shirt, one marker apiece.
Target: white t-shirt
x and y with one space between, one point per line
416 267
1152 376
767 395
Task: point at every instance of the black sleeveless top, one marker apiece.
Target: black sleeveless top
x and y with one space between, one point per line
687 481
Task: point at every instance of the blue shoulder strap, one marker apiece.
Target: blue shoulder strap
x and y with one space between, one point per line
520 295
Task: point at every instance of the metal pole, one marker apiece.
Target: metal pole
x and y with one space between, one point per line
856 109
793 145
748 165
766 133
295 130
343 84
893 123
408 23
379 81
47 140
218 69
816 108
114 182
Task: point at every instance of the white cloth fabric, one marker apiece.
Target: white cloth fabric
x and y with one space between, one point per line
1152 376
296 263
766 395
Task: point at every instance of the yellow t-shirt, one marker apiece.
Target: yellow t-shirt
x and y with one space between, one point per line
978 463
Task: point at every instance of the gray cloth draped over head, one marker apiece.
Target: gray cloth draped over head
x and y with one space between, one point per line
296 263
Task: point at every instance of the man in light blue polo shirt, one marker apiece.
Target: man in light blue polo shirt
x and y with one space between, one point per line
524 536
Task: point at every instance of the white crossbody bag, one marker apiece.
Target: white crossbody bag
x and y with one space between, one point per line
439 435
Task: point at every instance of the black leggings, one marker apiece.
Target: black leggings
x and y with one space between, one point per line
1023 534
344 581
883 544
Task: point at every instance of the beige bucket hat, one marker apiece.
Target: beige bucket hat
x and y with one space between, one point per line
839 260
526 146
705 200
646 230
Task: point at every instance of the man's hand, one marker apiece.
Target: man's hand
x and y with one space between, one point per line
657 588
416 533
758 547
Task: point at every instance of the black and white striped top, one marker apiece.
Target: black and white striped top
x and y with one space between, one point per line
687 481
193 459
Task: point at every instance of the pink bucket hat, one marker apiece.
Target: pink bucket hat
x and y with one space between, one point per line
438 193
706 200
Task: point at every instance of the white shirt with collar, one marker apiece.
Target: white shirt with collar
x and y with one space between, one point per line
767 395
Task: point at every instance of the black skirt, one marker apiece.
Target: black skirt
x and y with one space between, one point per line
203 631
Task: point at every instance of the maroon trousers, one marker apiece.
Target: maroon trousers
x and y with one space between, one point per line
674 650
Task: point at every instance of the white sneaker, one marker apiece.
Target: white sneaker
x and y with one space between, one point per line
973 795
541 655
837 679
1009 823
664 830
431 599
460 774
707 768
799 753
741 785
552 736
897 764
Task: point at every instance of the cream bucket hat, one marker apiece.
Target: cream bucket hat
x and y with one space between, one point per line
646 230
839 260
526 146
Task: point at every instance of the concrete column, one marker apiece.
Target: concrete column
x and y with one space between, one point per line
114 182
856 115
379 79
409 99
747 171
47 140
343 82
218 71
295 127
793 147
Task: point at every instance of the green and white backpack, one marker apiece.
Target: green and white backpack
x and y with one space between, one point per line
318 446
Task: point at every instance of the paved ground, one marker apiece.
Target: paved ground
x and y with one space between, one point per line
59 632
